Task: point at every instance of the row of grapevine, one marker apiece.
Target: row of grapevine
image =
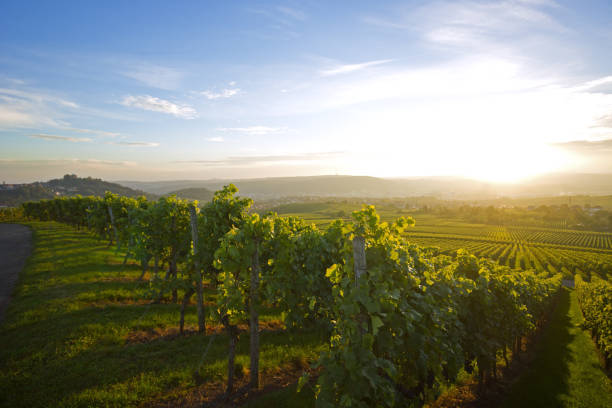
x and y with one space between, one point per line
401 325
11 214
248 260
595 298
411 322
600 240
526 255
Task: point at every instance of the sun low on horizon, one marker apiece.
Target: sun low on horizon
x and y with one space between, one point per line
493 91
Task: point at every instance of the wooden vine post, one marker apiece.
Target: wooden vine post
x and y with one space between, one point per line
87 212
254 318
112 220
198 273
359 257
360 267
131 240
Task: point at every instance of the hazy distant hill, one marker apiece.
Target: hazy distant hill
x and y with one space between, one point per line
355 186
362 186
201 194
69 185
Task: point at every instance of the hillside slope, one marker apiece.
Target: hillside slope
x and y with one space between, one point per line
69 185
365 186
201 194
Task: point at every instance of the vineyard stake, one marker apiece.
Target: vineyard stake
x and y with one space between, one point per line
254 317
359 257
112 220
198 274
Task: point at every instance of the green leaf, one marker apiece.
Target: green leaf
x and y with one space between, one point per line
303 380
377 323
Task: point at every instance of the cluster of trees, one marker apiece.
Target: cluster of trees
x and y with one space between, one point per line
69 185
402 319
563 216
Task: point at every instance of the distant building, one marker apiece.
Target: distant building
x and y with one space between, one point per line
594 210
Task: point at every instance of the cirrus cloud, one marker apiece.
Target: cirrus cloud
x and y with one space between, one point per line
225 93
135 144
151 103
252 130
62 138
215 139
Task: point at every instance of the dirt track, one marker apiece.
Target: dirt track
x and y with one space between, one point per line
15 247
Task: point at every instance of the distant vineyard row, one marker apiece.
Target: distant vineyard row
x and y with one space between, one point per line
525 255
581 239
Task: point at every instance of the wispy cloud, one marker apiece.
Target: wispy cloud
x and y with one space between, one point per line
284 15
68 161
604 121
292 13
348 68
600 85
35 96
598 147
135 144
216 139
93 132
62 138
279 22
592 156
155 76
151 103
225 93
275 159
30 108
252 130
474 23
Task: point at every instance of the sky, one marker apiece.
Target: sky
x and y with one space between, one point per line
160 90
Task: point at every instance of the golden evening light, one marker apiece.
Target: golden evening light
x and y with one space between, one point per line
306 204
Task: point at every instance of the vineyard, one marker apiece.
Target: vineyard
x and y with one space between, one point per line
399 322
595 300
568 252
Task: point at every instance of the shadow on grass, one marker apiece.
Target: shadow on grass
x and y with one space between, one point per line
55 349
85 350
547 379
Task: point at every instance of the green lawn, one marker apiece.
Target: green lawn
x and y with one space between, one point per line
566 371
64 341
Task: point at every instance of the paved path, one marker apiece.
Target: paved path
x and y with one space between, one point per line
15 247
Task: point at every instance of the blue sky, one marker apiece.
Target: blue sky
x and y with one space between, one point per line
495 90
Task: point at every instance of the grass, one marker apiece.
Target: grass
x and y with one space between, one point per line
287 398
65 338
566 371
67 341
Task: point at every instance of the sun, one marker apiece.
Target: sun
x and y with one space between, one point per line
516 163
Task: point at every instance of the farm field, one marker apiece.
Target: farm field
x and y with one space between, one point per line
543 249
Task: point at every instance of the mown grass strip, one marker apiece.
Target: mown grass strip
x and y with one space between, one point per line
65 339
566 371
